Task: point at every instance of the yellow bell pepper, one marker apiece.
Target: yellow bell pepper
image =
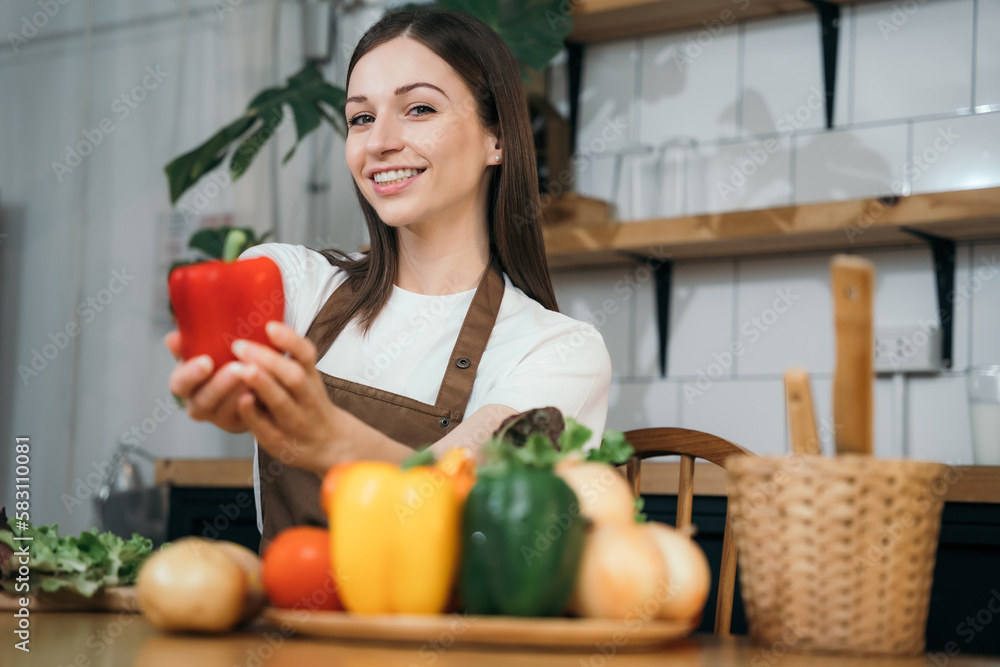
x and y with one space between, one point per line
395 538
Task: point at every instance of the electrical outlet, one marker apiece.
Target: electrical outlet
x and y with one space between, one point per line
913 349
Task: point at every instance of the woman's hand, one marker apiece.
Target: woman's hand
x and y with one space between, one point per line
208 397
286 404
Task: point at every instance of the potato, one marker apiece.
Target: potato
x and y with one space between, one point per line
196 584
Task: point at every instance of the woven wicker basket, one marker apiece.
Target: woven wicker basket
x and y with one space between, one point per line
836 553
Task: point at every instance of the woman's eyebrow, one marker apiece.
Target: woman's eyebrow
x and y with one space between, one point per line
400 91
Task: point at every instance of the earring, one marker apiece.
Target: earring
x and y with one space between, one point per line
498 158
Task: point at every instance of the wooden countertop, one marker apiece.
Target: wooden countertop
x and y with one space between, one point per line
976 484
99 640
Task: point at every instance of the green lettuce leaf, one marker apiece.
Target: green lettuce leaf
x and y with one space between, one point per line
85 564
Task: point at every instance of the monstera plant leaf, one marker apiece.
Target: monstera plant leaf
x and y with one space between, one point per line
305 94
534 30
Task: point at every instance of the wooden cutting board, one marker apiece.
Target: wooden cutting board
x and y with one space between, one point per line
121 598
567 634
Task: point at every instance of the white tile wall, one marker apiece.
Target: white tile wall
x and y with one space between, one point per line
892 45
939 427
590 296
689 90
643 405
726 408
739 176
888 82
885 423
984 285
801 335
701 318
905 289
850 164
607 97
956 154
987 52
796 99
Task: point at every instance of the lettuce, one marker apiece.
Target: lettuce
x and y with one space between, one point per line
84 565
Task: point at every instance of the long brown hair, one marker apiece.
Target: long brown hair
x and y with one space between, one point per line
483 61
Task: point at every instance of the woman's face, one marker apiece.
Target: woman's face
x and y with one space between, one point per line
415 144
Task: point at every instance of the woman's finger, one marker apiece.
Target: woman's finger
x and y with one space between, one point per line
173 342
205 400
254 416
270 392
188 375
287 370
285 338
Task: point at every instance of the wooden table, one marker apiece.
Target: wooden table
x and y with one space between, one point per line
93 640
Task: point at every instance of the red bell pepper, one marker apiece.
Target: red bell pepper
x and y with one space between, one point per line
219 301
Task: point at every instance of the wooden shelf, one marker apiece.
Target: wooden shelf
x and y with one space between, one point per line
960 216
598 20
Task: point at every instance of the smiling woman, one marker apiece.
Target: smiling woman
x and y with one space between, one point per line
448 324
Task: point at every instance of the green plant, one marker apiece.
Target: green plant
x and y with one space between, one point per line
534 31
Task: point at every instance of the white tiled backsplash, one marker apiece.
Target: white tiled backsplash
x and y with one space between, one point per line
917 110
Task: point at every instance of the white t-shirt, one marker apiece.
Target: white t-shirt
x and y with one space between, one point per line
534 358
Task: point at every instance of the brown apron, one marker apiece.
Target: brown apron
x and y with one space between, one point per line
290 496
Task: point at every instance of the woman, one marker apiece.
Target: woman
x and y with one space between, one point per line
449 323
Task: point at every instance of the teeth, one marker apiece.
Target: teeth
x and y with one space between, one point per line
392 175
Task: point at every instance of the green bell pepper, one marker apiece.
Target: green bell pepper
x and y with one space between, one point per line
523 538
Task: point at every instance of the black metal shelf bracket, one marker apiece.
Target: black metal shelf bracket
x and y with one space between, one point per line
943 251
663 271
829 25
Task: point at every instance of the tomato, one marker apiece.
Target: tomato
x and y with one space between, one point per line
297 570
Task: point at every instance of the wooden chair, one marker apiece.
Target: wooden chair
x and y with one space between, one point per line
691 445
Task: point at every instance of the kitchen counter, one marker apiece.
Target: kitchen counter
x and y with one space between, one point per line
96 640
975 484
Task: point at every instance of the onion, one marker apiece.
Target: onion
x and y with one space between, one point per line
622 574
604 495
194 584
688 574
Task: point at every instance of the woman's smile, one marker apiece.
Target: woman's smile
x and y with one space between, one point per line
390 181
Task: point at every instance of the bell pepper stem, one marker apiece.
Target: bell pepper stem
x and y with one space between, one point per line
235 241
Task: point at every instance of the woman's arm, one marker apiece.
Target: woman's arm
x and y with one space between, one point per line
291 415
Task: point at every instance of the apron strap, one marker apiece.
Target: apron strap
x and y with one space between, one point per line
459 376
320 332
